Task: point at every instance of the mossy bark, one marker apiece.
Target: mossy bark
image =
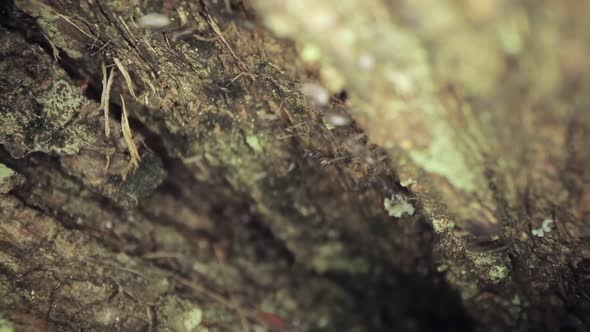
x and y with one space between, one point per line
248 211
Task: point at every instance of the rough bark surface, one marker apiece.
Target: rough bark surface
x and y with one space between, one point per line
442 186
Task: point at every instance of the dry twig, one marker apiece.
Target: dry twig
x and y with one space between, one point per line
128 136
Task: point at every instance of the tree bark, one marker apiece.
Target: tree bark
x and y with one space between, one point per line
216 187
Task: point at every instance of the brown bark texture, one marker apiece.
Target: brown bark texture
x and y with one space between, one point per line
269 165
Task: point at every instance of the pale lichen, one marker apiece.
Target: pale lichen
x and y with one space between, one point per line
179 315
154 20
311 53
317 93
441 225
9 179
62 102
397 207
407 182
49 21
5 172
5 326
254 142
443 157
498 273
545 228
330 257
495 265
193 318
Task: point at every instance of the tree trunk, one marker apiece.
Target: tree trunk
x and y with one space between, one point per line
294 165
